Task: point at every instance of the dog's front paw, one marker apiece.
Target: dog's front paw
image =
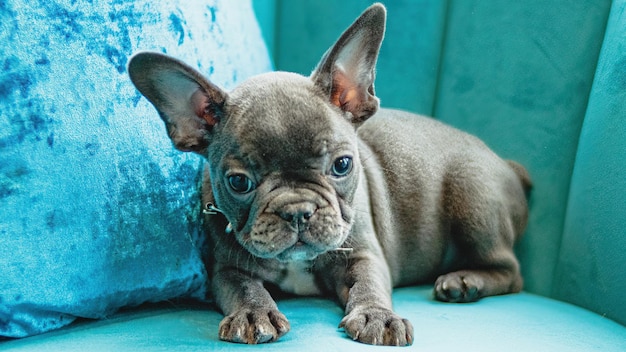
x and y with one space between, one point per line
460 286
253 326
378 326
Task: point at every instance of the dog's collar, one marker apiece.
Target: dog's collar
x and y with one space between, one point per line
211 209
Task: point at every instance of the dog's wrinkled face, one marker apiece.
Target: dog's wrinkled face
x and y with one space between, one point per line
281 148
285 174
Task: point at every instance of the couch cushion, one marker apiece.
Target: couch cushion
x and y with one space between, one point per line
520 322
98 210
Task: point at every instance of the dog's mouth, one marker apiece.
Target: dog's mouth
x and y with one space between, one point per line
300 251
293 227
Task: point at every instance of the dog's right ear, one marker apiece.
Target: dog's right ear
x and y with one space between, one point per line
188 103
347 71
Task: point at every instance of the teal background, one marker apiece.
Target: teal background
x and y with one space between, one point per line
541 82
98 211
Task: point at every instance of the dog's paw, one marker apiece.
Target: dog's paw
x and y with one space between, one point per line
458 287
378 326
253 326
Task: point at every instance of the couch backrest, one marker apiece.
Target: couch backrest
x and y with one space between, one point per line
520 75
592 261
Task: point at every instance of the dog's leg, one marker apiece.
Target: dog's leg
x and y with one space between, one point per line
251 314
485 219
367 298
481 280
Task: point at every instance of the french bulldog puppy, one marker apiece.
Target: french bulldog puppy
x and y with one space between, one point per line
312 189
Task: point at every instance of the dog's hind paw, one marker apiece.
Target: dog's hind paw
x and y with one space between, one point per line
458 288
253 326
378 326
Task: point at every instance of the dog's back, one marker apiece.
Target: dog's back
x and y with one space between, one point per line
443 190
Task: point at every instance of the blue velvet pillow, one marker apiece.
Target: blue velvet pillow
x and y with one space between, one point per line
98 210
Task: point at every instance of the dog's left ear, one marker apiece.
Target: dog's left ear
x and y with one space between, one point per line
348 69
189 104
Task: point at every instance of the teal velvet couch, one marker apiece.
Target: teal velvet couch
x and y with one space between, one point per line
541 82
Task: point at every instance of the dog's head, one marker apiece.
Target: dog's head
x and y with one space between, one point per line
281 148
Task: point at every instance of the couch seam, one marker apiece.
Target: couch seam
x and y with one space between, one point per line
442 50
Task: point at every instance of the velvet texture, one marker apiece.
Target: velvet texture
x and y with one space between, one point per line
523 322
98 210
592 266
408 64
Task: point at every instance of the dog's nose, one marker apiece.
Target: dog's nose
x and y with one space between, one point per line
299 212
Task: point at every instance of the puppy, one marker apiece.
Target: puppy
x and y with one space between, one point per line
312 189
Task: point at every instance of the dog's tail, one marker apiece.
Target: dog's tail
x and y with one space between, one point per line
523 176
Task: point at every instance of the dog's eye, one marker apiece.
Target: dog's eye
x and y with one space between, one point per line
240 183
342 166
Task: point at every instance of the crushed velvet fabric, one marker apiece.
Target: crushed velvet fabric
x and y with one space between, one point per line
98 210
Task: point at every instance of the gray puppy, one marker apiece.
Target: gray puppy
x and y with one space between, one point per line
312 205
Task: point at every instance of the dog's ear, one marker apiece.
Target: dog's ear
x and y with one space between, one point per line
189 104
348 69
